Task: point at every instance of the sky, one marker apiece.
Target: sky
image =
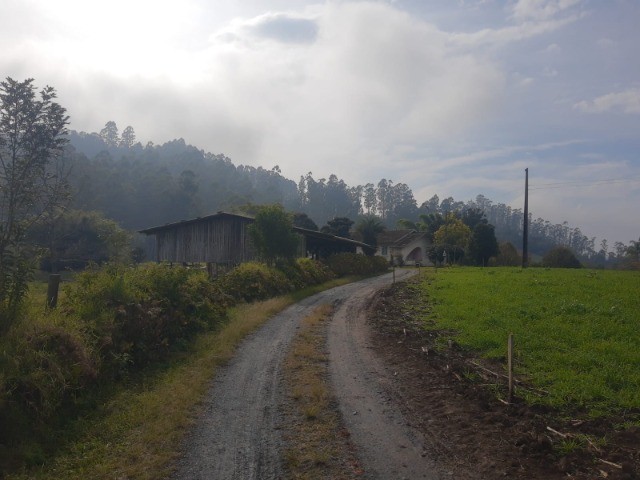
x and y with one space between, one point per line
452 97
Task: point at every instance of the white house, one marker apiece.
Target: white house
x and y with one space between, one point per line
402 247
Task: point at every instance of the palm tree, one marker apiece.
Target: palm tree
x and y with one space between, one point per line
369 227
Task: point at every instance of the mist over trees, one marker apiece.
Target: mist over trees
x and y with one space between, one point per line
141 186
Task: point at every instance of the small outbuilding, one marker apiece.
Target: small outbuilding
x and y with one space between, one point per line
223 239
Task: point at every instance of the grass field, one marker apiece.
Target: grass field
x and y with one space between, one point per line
577 332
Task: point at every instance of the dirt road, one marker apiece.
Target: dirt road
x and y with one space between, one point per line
388 446
238 434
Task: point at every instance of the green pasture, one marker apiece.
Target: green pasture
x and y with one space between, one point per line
577 332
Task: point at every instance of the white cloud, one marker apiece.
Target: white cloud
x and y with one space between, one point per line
372 79
362 89
627 101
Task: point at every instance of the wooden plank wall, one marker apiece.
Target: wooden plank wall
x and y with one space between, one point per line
217 240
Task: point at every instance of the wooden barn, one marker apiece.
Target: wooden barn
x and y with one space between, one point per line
223 239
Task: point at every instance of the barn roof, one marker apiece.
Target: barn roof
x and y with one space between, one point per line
321 236
170 226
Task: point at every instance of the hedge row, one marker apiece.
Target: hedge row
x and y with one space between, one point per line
116 320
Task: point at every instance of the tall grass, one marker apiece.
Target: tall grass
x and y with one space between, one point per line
577 331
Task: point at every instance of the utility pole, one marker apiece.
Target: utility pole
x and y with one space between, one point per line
525 223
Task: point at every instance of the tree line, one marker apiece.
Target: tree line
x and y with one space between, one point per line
140 186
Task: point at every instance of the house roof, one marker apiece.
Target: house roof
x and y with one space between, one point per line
329 237
398 238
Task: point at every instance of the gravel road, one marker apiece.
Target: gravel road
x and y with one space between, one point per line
237 436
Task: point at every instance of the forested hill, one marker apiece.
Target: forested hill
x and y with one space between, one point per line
142 186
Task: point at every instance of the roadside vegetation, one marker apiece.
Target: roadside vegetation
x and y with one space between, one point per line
318 445
576 331
108 382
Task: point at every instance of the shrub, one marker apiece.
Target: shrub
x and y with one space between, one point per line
508 256
254 281
560 257
138 315
46 364
355 264
305 272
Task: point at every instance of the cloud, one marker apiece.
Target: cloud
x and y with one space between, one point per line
284 28
372 80
627 101
526 10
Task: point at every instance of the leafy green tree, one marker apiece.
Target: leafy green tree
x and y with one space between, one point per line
483 244
454 235
302 220
561 257
406 224
272 234
339 226
633 250
32 179
369 227
472 217
75 238
453 232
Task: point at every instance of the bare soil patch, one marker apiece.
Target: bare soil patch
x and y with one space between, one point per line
472 434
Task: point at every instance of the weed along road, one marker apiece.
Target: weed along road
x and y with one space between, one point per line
239 433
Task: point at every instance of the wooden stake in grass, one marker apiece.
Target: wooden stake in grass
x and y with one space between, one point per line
52 291
510 365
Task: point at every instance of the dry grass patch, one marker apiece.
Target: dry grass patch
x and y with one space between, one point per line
318 446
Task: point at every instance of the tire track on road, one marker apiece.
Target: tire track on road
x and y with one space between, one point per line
237 435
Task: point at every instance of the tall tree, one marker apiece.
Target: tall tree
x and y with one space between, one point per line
33 176
128 139
272 234
473 216
110 134
483 244
370 199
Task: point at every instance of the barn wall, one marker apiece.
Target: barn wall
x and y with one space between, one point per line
216 240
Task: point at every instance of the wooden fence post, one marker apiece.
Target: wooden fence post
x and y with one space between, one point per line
52 290
510 365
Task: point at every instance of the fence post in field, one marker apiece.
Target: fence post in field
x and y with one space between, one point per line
52 291
510 365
